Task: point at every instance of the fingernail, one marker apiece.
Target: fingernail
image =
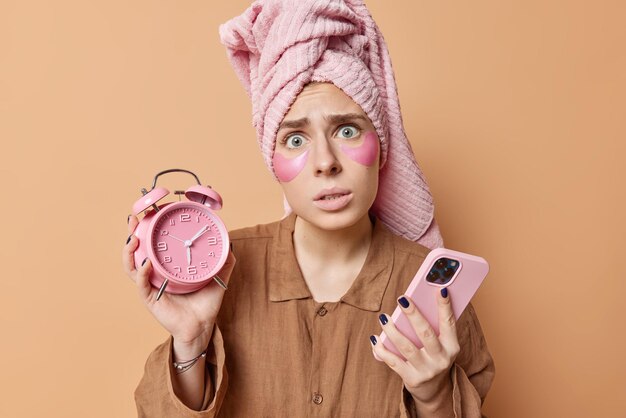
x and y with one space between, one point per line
144 261
403 302
373 339
444 292
129 237
128 219
383 319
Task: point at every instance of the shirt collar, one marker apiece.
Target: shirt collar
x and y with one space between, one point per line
286 281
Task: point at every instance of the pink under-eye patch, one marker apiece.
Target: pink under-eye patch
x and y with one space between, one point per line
287 169
366 153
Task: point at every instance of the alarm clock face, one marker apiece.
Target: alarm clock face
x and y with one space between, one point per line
188 242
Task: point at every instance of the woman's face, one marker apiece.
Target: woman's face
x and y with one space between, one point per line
327 146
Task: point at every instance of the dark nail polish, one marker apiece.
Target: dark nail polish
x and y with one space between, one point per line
403 302
129 237
144 261
373 339
128 219
383 319
444 292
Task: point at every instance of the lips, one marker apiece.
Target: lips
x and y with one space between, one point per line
330 194
333 199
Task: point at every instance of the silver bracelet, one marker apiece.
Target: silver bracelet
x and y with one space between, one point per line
183 366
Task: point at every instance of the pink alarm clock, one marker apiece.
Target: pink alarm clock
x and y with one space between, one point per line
186 241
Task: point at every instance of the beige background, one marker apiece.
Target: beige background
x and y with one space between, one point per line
516 114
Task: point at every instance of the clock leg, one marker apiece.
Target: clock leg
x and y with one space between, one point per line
219 281
162 289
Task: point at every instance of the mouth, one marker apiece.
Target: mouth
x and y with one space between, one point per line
331 197
332 200
331 194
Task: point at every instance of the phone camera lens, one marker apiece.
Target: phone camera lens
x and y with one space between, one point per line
433 276
441 263
448 272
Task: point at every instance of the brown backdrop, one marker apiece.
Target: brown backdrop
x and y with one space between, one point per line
516 114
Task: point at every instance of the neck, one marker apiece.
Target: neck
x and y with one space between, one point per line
340 245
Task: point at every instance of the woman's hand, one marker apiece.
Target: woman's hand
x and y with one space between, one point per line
426 372
189 318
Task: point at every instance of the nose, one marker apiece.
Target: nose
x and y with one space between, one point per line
325 161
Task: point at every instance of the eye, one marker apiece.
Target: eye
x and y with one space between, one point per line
294 141
348 131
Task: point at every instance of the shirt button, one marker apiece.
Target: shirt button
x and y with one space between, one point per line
322 311
317 398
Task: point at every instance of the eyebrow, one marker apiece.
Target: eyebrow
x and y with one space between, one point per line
334 119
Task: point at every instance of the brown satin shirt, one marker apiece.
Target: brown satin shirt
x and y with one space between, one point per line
276 352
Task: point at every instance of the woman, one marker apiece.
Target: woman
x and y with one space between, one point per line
289 336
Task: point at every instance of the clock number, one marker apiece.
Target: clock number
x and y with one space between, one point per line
192 270
212 240
211 254
167 259
161 246
204 264
197 219
178 268
164 232
172 223
185 217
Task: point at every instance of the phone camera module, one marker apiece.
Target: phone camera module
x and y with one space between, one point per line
442 271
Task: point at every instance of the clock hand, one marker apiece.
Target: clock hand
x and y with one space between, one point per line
200 232
176 238
189 255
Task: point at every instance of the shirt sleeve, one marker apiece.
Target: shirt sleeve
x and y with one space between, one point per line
155 397
472 372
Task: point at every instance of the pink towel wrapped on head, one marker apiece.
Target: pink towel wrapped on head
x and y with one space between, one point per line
278 46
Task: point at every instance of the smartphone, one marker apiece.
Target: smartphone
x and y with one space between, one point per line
461 273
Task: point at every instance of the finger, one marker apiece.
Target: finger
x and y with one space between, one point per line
447 321
422 327
405 346
128 256
145 289
395 363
